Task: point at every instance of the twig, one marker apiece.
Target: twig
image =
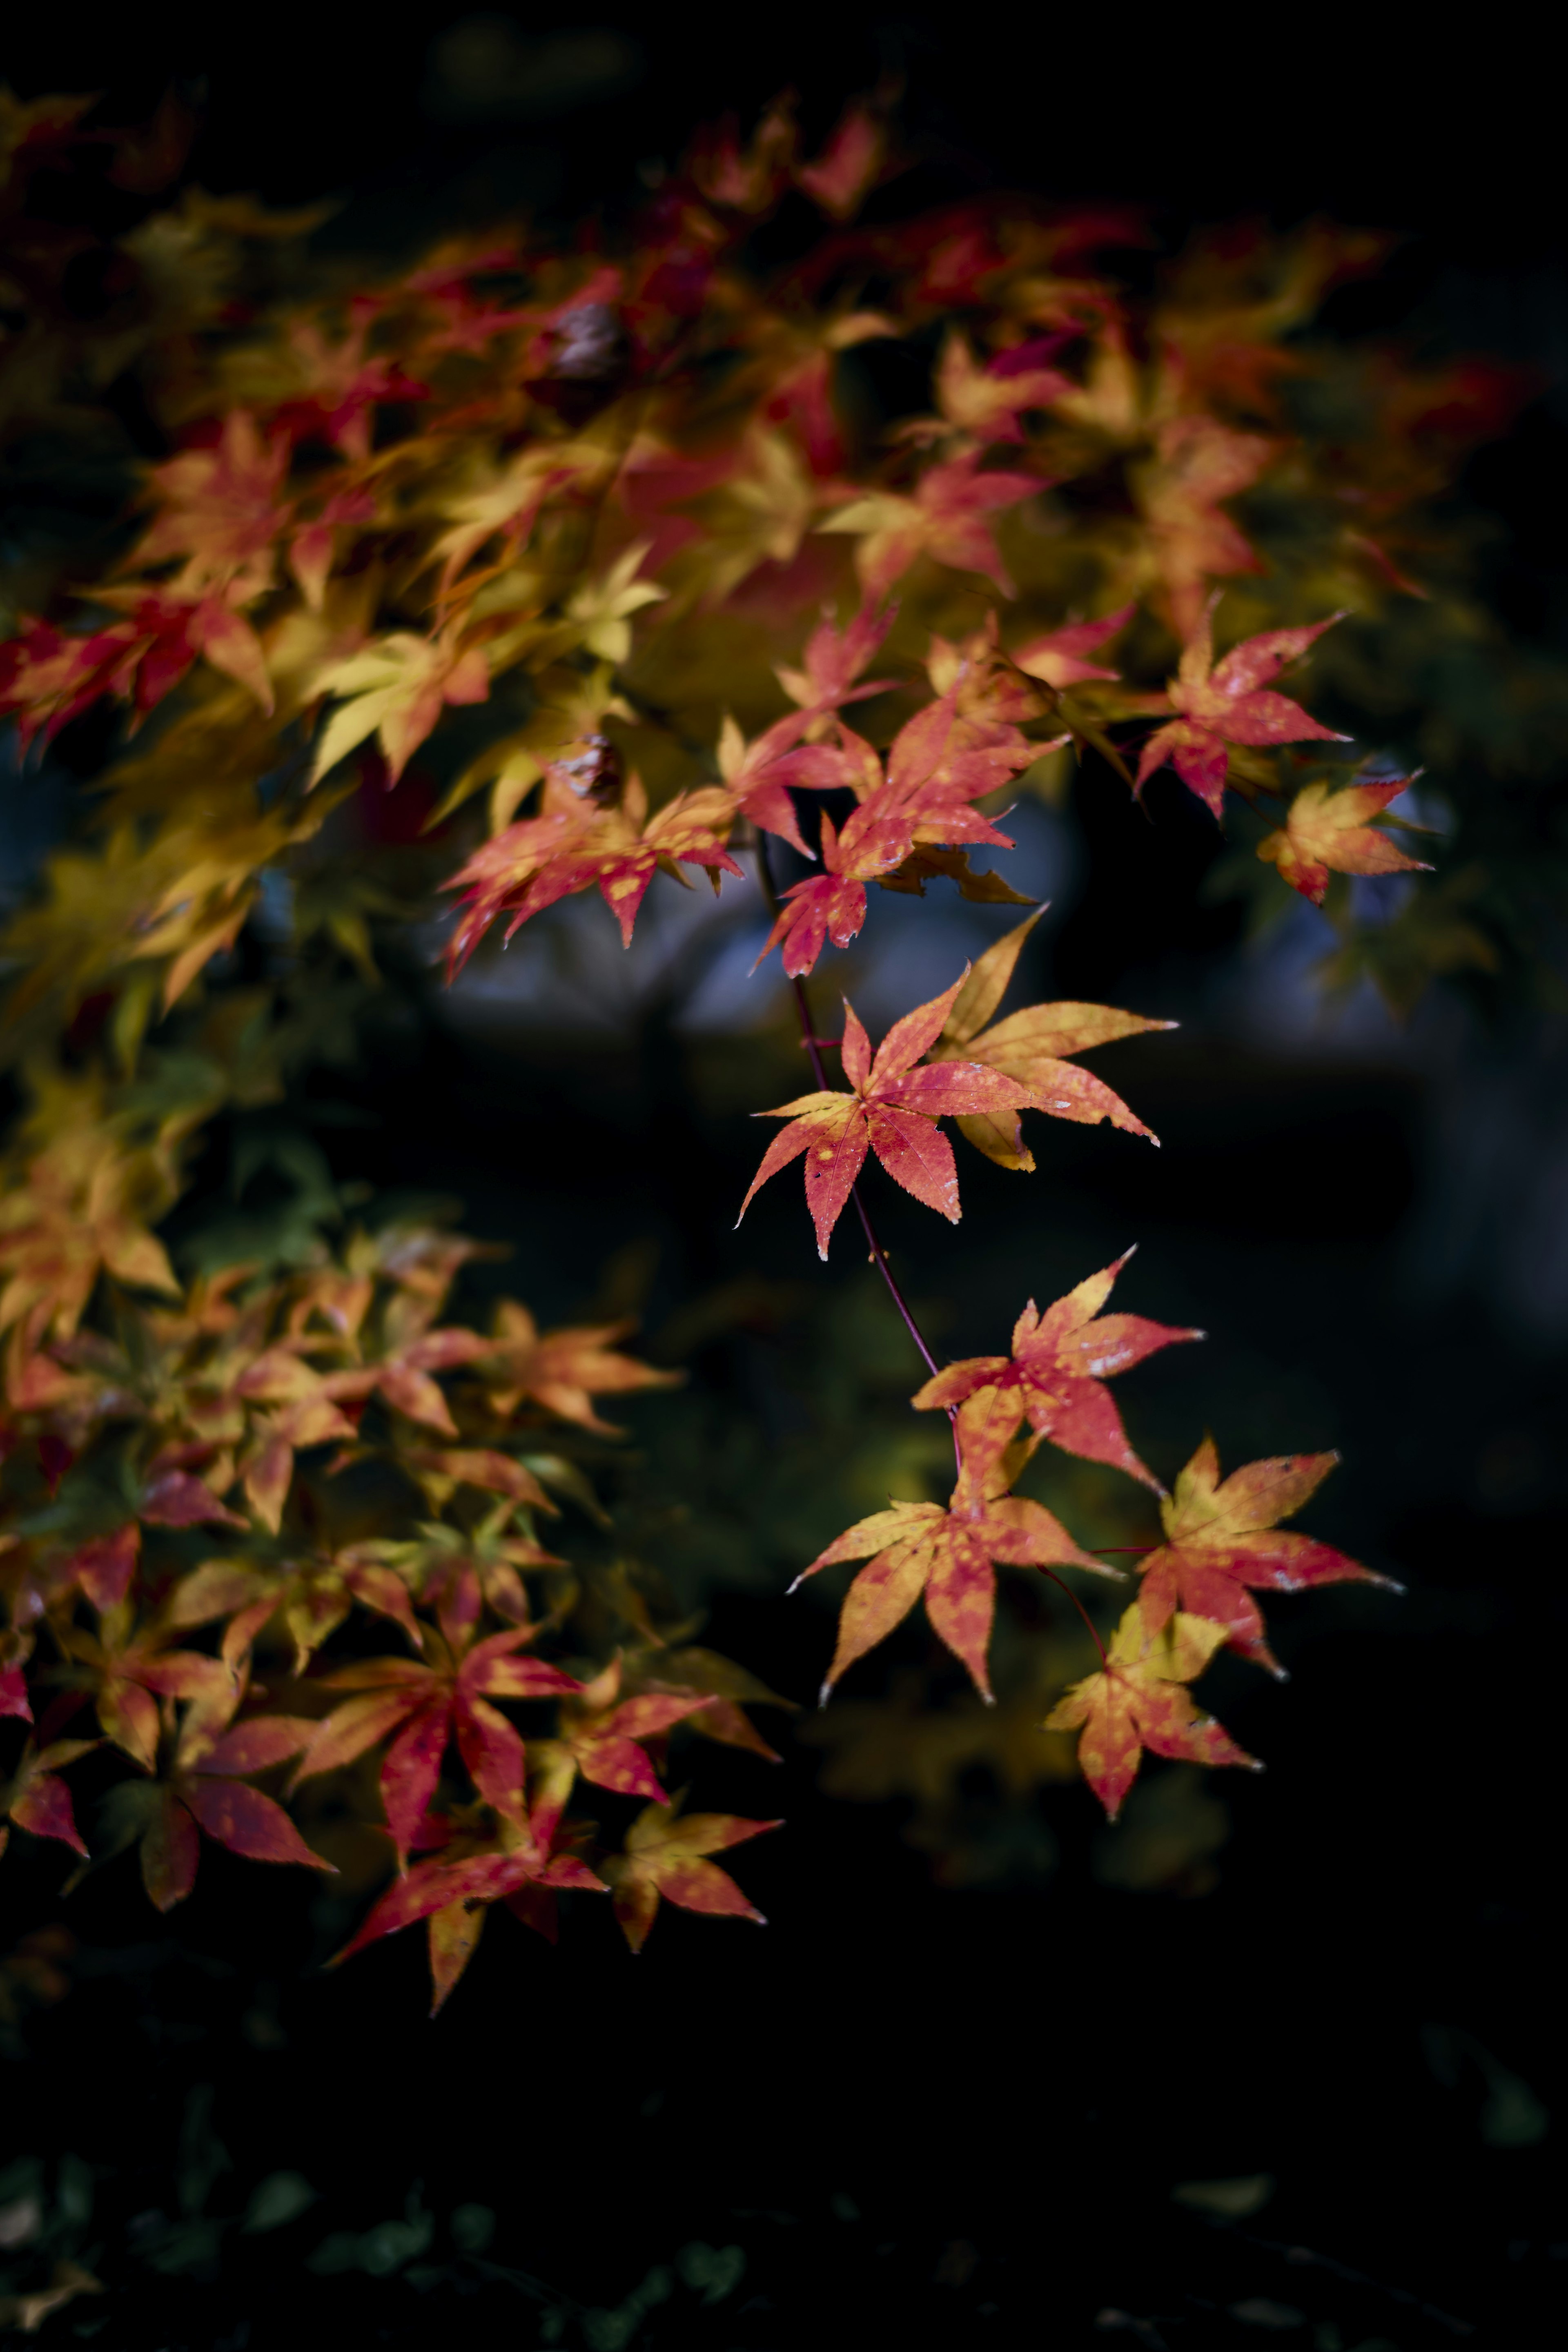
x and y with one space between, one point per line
813 1044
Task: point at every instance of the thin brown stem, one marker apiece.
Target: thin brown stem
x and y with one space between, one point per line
813 1044
1073 1596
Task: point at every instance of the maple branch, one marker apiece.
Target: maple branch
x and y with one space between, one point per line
814 1044
1073 1596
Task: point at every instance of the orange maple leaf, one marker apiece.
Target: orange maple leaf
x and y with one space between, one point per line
1057 1373
564 1371
1230 704
1222 1538
1140 1700
1034 1047
1327 830
944 1552
222 510
892 1111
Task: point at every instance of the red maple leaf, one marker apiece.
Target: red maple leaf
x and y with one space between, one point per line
1222 1538
38 1800
206 1791
1233 705
603 1740
1140 1700
453 1890
944 518
424 1706
574 844
1058 658
833 659
1057 1373
892 1111
942 760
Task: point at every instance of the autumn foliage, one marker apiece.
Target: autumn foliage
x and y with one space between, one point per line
608 522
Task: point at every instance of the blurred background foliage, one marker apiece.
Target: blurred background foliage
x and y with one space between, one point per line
1361 1195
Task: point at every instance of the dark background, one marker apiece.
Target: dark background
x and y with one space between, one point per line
895 2078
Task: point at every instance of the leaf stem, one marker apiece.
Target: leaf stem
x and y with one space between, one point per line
813 1044
1073 1596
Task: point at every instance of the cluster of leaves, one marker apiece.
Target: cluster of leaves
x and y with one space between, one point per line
121 1547
519 532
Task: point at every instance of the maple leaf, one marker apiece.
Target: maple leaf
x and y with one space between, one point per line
849 164
314 1597
16 1649
945 519
425 1705
506 503
1199 461
1221 1540
601 1734
936 765
207 1791
1055 1375
794 367
1058 658
666 1858
564 1370
696 1672
49 677
834 659
221 509
758 775
574 844
455 1888
1034 1047
38 1800
945 1553
403 1376
314 545
104 1565
1327 830
131 1670
602 609
1140 1700
745 182
395 689
72 1221
893 1111
334 388
987 402
1230 704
